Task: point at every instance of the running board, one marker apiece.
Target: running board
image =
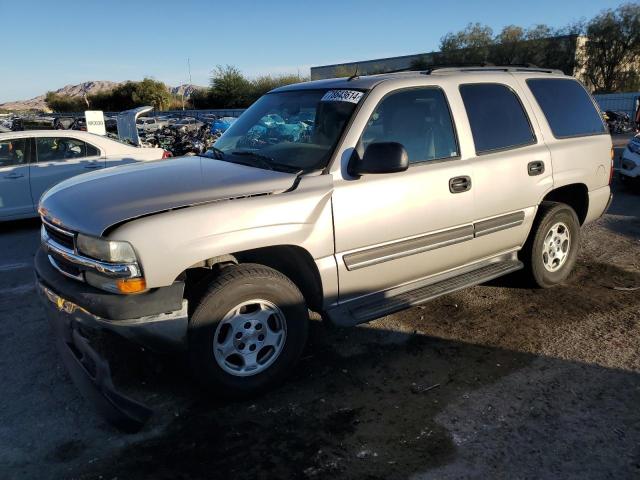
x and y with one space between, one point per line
378 305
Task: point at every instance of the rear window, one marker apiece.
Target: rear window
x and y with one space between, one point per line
498 121
567 106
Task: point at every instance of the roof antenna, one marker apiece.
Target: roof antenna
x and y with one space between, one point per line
355 74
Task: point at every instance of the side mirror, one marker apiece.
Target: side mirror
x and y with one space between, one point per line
380 157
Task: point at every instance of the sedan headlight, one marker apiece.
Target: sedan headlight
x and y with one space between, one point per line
106 250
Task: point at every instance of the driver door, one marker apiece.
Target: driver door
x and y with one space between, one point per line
395 228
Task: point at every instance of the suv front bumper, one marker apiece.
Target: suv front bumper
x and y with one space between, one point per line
89 371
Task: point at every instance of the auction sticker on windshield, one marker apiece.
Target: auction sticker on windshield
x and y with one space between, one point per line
351 96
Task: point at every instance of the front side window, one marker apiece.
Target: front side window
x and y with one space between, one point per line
567 107
291 130
417 118
51 149
13 152
498 120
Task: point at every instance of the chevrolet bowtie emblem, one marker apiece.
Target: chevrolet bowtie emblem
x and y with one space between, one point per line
60 303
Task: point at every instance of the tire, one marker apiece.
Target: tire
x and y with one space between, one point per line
259 356
547 268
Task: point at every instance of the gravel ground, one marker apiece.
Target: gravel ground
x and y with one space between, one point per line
497 381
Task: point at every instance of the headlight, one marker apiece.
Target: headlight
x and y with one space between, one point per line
106 250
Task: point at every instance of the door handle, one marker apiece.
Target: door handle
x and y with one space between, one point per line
13 176
535 168
460 184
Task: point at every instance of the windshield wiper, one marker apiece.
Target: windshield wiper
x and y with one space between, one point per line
266 161
217 153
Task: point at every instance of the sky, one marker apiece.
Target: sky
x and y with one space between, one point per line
48 44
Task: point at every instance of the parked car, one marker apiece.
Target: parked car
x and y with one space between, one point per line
111 125
630 166
354 198
188 124
63 123
150 124
36 123
80 123
33 161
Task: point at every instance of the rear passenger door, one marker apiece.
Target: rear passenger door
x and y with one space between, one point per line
512 167
59 158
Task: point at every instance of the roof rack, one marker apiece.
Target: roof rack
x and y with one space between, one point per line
492 68
476 67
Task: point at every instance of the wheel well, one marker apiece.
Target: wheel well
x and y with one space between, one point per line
293 261
575 195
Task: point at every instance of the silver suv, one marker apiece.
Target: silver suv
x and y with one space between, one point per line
354 198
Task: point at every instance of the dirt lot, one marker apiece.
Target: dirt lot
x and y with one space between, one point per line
497 381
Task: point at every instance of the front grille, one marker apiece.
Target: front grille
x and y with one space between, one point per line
60 238
65 266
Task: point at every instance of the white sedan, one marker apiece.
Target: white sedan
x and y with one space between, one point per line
33 161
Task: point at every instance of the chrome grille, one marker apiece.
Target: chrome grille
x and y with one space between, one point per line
66 268
65 257
62 237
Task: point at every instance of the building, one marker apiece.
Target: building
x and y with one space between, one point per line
561 52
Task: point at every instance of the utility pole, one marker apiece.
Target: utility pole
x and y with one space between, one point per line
184 89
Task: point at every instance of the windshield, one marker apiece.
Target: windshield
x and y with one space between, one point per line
295 130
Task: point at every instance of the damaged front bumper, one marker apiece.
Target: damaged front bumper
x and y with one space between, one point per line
89 371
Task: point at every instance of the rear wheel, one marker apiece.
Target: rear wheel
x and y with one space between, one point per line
552 248
247 331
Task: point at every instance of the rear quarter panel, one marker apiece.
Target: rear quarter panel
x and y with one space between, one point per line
584 159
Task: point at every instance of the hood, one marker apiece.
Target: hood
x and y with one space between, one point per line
93 202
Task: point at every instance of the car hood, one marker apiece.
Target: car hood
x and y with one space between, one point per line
93 202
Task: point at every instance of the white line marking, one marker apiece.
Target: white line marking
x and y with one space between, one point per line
13 266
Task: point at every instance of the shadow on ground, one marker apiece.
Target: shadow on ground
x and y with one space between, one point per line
432 390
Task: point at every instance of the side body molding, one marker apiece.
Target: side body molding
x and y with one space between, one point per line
431 241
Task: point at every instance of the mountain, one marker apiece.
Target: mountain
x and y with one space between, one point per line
187 89
38 103
86 88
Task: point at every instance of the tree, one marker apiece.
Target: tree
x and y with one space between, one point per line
420 63
471 45
539 45
151 92
229 88
612 49
201 98
508 46
131 95
64 103
265 83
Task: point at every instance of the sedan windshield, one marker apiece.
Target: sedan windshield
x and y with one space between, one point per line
294 130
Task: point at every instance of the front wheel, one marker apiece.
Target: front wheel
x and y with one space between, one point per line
552 248
247 331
